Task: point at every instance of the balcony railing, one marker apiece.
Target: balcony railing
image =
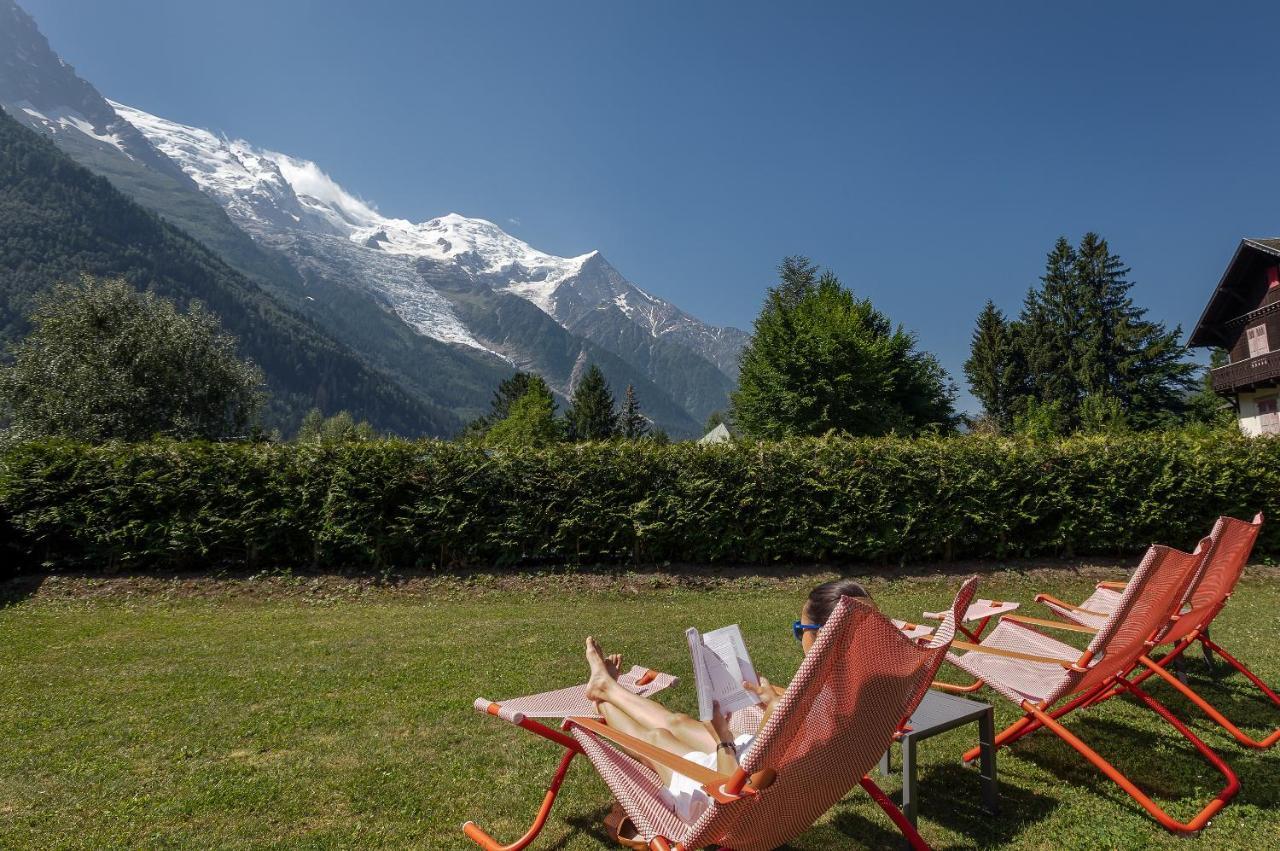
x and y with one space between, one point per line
1263 369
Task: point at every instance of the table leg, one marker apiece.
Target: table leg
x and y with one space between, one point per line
885 767
909 778
987 744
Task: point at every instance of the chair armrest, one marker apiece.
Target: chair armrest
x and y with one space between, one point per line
1069 627
639 747
1054 602
1113 586
715 784
1011 654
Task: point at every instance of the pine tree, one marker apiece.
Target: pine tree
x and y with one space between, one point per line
530 421
509 390
994 368
1083 338
592 414
1123 355
632 424
797 276
822 360
1045 331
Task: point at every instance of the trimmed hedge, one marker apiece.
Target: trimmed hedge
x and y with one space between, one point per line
391 504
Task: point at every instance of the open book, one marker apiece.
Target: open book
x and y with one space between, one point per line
720 665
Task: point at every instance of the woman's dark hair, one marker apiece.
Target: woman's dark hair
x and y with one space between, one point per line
823 599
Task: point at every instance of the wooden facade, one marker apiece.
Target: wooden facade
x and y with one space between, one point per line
1243 319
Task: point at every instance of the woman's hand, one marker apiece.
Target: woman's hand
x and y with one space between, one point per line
765 693
719 724
726 757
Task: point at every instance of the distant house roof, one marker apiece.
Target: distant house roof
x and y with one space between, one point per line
719 434
1229 299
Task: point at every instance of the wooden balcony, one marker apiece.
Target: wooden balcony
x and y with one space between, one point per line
1247 374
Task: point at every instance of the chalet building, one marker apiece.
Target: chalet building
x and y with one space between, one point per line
1243 317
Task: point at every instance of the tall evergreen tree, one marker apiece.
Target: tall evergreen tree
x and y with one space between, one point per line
632 424
509 390
797 276
1083 338
592 414
530 421
1051 317
994 368
822 360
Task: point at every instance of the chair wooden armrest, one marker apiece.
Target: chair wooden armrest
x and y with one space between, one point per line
1011 654
1049 598
1069 627
1113 586
639 747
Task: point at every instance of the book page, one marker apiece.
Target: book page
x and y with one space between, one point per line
721 670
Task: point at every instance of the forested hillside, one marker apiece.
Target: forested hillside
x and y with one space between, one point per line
58 220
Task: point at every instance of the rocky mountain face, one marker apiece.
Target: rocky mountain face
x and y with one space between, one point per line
446 306
58 220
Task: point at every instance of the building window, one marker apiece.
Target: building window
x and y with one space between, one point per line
1257 341
1268 419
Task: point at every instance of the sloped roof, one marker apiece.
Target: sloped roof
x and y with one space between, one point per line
719 434
1227 301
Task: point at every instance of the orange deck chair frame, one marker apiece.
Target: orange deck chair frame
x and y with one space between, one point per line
1035 671
854 688
1231 544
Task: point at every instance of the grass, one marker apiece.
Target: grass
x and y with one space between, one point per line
327 714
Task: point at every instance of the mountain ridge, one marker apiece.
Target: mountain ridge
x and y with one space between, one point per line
410 297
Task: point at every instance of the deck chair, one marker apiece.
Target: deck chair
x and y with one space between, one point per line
857 684
1035 671
1231 543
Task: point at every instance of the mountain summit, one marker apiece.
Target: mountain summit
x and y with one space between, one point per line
272 193
447 306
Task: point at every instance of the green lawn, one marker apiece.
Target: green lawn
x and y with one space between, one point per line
331 714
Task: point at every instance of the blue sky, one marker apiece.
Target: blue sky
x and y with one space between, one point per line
928 153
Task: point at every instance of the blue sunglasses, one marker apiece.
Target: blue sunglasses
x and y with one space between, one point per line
798 628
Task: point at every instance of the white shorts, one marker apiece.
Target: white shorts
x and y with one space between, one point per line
684 795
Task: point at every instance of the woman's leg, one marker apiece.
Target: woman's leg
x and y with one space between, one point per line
624 723
603 688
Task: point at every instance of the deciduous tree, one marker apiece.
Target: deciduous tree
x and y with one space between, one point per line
106 362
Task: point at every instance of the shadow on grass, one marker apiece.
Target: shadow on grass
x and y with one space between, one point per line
951 795
15 589
1157 758
1232 694
590 824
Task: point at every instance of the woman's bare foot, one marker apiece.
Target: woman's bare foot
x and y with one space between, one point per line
613 664
601 678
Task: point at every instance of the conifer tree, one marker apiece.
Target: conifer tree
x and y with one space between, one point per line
1082 338
632 424
592 414
1051 316
994 368
530 421
509 390
822 360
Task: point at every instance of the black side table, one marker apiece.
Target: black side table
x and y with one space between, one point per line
937 713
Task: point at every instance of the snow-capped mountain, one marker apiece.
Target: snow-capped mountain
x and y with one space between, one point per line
267 192
446 307
44 93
